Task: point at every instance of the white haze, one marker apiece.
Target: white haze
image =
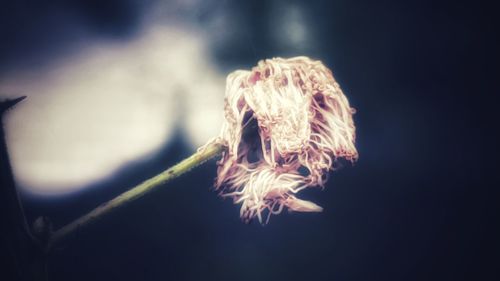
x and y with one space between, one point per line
111 102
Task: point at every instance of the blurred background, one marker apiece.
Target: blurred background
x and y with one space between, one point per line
120 90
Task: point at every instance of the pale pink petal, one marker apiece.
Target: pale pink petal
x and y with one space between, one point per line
299 205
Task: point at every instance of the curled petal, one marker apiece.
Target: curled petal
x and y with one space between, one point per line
299 205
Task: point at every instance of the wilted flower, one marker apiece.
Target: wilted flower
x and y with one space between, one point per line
286 122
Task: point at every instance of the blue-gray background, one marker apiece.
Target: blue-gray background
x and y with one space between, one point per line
418 205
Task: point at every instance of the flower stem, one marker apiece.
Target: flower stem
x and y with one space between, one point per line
138 191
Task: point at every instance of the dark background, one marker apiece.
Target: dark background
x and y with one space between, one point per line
418 205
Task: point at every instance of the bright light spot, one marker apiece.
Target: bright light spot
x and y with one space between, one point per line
205 111
89 114
289 26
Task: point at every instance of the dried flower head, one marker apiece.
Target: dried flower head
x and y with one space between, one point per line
286 122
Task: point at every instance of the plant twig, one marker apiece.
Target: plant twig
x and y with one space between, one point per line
138 191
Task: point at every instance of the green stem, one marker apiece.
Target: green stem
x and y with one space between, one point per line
138 191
